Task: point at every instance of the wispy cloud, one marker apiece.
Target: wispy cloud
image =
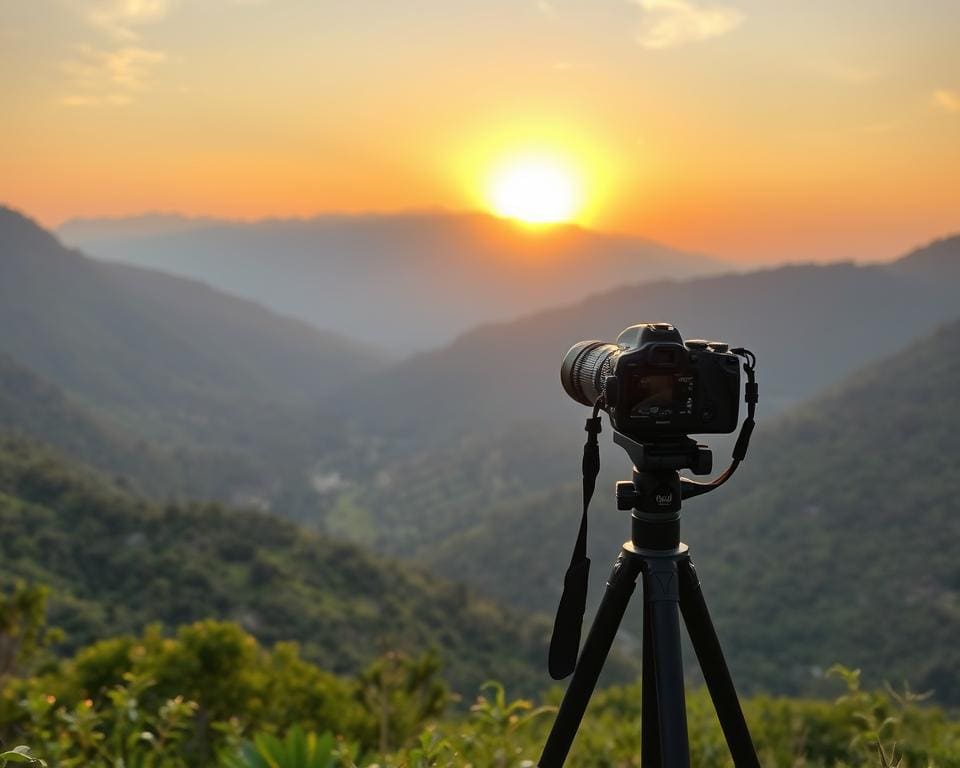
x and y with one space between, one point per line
122 18
946 99
108 76
669 23
114 68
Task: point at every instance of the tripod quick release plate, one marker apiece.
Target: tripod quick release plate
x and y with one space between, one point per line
674 455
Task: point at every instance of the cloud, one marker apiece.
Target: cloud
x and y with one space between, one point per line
108 76
113 70
668 23
946 99
120 18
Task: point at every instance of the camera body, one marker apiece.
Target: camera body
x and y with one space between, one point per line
655 385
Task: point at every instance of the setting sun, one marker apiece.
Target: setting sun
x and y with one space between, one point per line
535 190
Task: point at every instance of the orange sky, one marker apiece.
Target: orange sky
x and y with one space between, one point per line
756 131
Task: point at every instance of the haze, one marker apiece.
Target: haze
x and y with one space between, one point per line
753 131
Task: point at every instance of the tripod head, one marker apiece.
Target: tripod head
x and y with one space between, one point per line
656 490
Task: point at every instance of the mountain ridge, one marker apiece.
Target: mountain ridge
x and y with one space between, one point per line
426 275
170 361
847 314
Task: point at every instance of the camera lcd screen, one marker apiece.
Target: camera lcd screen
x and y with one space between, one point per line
655 390
661 396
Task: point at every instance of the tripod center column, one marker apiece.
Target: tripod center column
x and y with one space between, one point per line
655 521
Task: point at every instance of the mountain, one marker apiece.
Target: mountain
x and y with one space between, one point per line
168 360
495 390
32 406
939 260
115 563
839 540
835 542
119 229
809 326
403 281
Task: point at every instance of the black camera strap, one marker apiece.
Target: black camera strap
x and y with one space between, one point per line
565 641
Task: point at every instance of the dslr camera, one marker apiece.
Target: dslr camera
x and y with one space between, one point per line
655 386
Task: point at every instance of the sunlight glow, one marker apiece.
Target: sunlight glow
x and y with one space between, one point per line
535 190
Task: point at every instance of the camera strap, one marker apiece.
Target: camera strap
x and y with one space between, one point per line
565 641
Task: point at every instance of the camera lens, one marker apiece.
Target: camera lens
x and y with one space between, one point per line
585 369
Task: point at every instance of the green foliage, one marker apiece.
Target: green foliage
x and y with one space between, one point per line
499 727
212 695
21 754
117 564
403 694
788 732
24 635
296 750
117 730
197 689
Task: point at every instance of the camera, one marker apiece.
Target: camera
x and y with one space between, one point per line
654 385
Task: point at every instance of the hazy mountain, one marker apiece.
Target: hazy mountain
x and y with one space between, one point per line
116 564
834 543
472 440
405 281
30 405
165 359
809 325
146 225
937 261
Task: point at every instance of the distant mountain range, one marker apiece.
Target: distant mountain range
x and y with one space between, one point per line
404 282
809 325
208 378
474 440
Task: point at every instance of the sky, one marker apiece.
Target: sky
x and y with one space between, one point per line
753 130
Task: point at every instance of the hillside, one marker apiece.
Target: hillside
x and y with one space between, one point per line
835 542
172 362
32 406
809 325
135 338
498 386
839 541
116 563
402 281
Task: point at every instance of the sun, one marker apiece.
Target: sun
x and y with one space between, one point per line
535 189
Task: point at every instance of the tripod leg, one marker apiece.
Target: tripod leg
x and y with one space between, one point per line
661 594
620 587
715 671
649 712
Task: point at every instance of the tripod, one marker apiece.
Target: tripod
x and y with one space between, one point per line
670 588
